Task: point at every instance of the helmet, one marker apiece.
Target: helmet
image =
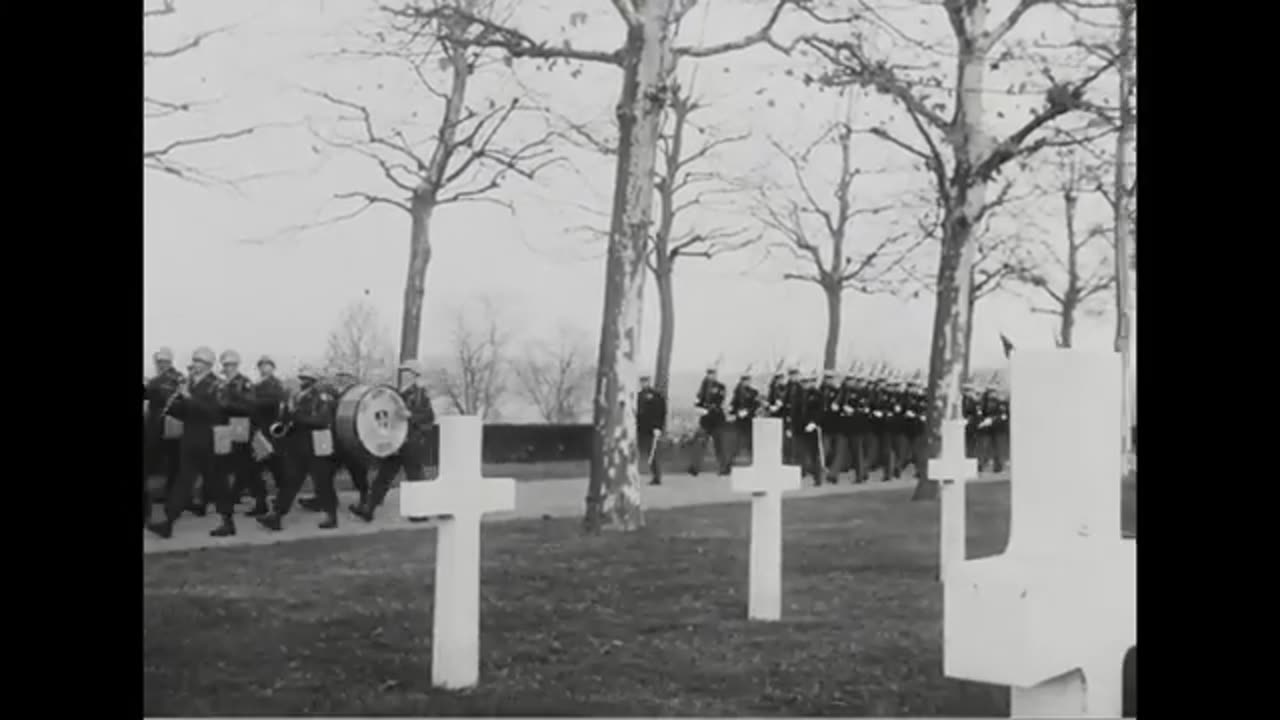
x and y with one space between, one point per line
412 366
266 360
307 371
203 354
164 354
229 356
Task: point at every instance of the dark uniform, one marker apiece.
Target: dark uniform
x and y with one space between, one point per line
163 454
774 404
412 456
146 476
743 407
651 424
855 427
792 392
989 409
806 415
236 467
269 401
199 412
833 446
357 467
916 412
311 412
711 425
969 406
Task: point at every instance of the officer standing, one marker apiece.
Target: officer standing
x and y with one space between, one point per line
269 401
308 447
743 407
710 401
651 423
163 448
806 417
197 404
412 455
235 468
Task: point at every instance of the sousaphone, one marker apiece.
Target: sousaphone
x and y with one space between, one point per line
371 421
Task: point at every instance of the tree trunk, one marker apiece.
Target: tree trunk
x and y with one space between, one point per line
1066 328
613 493
968 196
833 326
666 324
968 328
415 284
1123 229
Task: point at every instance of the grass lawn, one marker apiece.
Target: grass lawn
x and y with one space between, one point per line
651 623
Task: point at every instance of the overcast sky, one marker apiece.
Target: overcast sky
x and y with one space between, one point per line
221 270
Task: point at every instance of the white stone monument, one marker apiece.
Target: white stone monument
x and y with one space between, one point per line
766 479
459 499
953 470
1055 614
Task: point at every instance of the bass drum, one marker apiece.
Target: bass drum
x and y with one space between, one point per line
370 421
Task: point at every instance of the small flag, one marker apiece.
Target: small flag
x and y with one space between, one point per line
1008 345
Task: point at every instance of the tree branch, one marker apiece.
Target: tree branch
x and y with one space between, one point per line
454 23
763 35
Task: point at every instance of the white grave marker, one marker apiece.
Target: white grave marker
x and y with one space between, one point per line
1055 614
766 479
952 470
460 498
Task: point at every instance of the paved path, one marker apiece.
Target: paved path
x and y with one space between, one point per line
543 498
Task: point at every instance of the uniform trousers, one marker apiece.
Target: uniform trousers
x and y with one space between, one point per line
739 439
411 458
235 471
709 428
645 440
834 450
197 462
805 445
300 462
357 469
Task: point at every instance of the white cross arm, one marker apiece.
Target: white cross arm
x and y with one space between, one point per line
476 496
764 480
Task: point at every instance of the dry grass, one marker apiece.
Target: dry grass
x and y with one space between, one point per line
651 623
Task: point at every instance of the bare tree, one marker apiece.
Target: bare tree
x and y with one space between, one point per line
975 156
647 58
464 156
167 158
474 380
820 236
556 376
1075 270
360 344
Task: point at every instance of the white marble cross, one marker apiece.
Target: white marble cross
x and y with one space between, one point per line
459 498
766 479
952 470
1054 616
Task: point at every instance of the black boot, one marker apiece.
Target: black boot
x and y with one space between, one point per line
259 509
362 510
164 529
226 528
310 504
329 522
198 509
271 521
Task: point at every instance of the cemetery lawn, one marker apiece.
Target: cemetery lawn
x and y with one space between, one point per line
651 623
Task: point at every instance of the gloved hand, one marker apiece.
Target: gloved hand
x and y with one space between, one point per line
848 409
657 432
986 422
742 413
810 427
835 406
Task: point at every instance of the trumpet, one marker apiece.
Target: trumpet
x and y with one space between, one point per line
177 392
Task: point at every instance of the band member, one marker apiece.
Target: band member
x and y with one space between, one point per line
742 407
308 447
988 450
806 414
710 401
355 466
269 400
969 406
833 446
791 393
163 452
651 423
196 403
412 455
235 468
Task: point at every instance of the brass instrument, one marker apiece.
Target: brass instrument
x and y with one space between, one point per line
177 392
281 427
